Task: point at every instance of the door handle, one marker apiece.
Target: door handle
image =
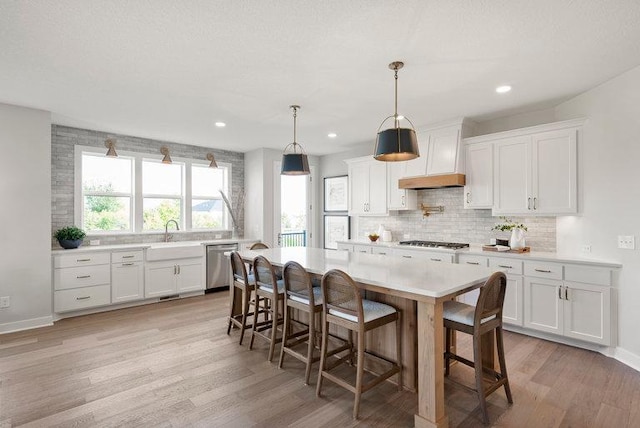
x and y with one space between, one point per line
560 292
535 202
528 203
468 195
402 200
566 293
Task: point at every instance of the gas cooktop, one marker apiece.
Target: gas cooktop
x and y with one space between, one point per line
435 244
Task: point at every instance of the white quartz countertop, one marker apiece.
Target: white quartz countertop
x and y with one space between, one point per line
395 244
142 246
397 275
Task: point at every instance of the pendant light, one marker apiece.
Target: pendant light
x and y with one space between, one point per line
111 145
295 162
396 144
164 150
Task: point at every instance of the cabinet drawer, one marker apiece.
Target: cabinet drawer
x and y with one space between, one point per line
587 274
512 266
126 256
82 259
468 259
81 298
344 247
385 251
424 255
84 276
543 270
362 249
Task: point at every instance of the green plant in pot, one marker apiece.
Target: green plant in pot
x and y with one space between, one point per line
69 237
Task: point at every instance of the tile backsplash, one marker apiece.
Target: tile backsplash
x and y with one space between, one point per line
63 141
456 224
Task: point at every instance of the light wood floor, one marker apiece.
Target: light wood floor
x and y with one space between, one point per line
171 364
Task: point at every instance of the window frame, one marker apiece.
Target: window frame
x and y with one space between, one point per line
137 196
226 180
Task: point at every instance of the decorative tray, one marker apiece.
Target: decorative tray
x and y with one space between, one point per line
504 249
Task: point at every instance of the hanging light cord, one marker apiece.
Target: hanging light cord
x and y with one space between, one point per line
395 113
295 115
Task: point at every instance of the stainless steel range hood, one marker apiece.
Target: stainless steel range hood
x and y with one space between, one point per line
432 181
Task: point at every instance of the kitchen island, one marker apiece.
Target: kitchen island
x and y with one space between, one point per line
418 289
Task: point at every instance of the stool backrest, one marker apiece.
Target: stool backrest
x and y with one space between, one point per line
341 293
238 268
297 282
259 246
265 273
491 298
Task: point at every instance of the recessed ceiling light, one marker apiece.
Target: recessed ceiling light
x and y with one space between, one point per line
332 135
503 89
221 124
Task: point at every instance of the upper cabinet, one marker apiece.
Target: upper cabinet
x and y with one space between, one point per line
367 186
478 190
534 170
399 199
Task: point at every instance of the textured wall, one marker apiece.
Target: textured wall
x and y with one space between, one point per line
457 224
63 140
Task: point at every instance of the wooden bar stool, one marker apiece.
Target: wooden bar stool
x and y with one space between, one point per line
300 294
485 317
259 246
269 296
244 284
344 306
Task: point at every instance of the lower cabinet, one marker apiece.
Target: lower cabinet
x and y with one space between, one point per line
127 281
164 278
433 256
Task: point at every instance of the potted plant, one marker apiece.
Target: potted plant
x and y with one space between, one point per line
516 241
69 237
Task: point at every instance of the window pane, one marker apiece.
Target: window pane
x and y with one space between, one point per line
161 179
157 211
207 181
207 214
107 213
106 174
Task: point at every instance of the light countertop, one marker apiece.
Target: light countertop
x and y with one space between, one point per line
142 246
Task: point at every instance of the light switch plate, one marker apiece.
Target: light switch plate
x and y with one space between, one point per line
627 242
5 301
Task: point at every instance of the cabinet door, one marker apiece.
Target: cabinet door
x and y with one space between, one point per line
418 166
377 188
127 282
190 276
512 180
554 181
543 307
358 188
443 151
478 191
399 199
160 279
587 312
513 306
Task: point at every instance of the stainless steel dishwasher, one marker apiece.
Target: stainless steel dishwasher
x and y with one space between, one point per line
218 267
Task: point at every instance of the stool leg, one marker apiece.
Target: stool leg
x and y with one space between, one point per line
246 297
503 364
477 362
232 290
310 346
323 353
359 374
285 333
447 350
255 320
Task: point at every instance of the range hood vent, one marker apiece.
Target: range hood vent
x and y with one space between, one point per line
432 181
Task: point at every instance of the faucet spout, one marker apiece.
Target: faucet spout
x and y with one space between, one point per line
166 229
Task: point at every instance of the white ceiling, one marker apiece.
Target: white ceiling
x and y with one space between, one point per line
169 69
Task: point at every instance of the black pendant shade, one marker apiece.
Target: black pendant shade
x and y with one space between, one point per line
295 164
396 144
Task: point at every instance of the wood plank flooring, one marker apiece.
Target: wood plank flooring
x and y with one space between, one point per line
172 365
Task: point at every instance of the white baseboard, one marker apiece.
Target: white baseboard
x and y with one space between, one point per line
11 327
629 358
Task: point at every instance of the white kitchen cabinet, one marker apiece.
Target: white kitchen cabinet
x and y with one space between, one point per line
167 277
471 297
385 251
536 173
127 281
362 248
433 256
343 246
81 281
587 312
399 199
543 309
478 190
513 308
367 186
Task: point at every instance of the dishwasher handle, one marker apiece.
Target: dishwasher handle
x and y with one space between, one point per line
222 247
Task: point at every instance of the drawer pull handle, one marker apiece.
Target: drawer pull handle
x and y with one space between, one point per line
83 298
83 260
384 254
407 257
505 266
542 270
128 257
127 264
435 260
83 276
473 263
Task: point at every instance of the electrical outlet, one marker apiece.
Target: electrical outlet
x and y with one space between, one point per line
5 301
627 242
586 248
94 242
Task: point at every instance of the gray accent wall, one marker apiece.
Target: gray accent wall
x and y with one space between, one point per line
63 141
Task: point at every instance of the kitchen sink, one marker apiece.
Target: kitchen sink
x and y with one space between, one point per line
174 250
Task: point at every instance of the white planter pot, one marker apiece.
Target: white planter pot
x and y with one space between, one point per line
517 239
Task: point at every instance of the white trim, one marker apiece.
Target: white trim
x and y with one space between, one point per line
554 126
628 358
29 324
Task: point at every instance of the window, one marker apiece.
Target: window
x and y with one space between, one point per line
107 193
135 193
207 207
162 194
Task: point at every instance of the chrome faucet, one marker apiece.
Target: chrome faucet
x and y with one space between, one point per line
166 229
